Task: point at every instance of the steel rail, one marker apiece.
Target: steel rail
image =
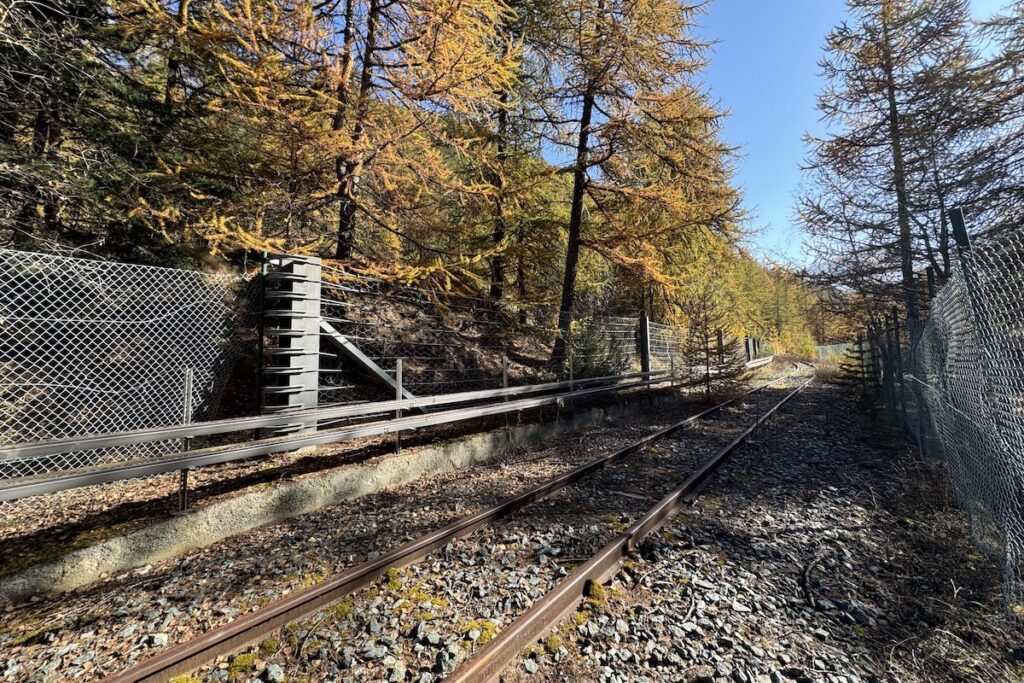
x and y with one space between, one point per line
186 657
489 662
215 455
38 449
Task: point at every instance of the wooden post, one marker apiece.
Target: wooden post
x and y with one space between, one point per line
899 363
504 382
721 347
572 379
863 363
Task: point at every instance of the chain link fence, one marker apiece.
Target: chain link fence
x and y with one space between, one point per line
956 381
450 342
832 353
88 347
697 355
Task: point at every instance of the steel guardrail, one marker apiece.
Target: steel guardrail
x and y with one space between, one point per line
37 449
15 489
25 487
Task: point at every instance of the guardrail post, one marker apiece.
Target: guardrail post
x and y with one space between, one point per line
572 378
645 343
504 383
291 367
398 397
186 443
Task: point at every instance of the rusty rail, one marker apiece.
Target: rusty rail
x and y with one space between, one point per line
489 662
186 657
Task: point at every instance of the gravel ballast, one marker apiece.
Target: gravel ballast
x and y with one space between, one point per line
92 632
820 552
824 552
421 622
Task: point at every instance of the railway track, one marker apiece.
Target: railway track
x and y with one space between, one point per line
587 507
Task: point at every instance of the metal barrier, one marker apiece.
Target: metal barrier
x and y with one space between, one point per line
34 486
956 381
89 346
110 370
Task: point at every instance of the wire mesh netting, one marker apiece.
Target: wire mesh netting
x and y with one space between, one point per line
957 382
668 346
694 354
452 343
89 347
832 353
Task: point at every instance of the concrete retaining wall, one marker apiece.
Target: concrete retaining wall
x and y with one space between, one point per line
177 535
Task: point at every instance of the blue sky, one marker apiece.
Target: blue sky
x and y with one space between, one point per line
764 70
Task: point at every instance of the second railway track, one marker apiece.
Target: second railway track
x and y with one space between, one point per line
465 588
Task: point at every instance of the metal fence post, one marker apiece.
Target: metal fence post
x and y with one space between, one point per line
931 282
899 364
186 444
645 343
504 382
398 397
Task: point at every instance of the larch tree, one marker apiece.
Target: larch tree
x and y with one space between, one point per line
402 65
911 135
625 90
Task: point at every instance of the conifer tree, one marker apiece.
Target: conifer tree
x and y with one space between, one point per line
913 136
638 131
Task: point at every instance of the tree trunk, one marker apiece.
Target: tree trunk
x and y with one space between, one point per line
707 361
572 248
521 275
45 134
349 170
899 174
500 223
